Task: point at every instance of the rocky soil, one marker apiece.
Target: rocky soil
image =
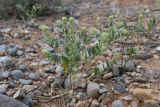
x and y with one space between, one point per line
28 79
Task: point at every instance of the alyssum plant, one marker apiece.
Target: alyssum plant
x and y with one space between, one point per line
74 45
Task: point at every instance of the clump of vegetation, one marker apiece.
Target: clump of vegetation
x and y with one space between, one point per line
73 46
25 8
76 45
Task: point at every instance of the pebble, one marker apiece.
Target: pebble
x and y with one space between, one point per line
142 94
19 95
107 76
127 98
3 49
28 101
22 67
59 70
117 103
115 70
158 48
151 103
34 76
93 90
5 74
17 74
11 84
5 30
120 88
143 55
6 61
25 82
29 88
12 50
3 90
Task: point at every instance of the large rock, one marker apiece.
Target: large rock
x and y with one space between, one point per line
93 90
10 102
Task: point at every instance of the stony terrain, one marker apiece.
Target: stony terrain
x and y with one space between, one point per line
28 79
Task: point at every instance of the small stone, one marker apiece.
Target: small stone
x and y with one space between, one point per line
16 35
115 70
158 48
83 85
142 94
143 55
19 53
11 84
117 103
120 88
28 101
127 98
107 76
156 57
3 91
34 76
29 88
102 89
5 30
25 82
151 103
130 66
93 90
81 96
95 103
17 74
6 61
133 74
12 50
3 49
19 94
139 67
59 70
43 63
5 74
22 67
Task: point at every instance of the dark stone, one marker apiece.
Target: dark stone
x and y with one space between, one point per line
34 76
22 67
6 101
11 84
17 74
28 101
25 82
144 56
3 90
